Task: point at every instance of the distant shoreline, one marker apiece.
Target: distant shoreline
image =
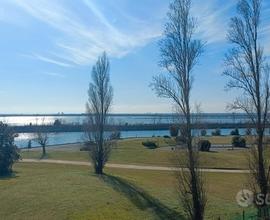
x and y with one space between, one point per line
126 127
114 114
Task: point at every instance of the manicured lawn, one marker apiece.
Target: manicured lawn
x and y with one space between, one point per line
65 152
48 191
131 151
63 192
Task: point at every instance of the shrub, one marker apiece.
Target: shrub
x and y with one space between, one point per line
57 123
166 136
216 132
9 152
183 131
267 140
87 146
238 141
149 144
248 131
235 132
174 130
29 145
203 132
204 145
115 135
180 140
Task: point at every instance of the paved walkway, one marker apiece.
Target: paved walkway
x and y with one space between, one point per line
128 166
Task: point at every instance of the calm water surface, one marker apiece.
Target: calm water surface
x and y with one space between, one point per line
74 137
125 118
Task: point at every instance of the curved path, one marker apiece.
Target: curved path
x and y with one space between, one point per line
128 166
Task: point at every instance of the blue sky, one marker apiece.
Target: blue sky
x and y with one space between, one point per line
48 47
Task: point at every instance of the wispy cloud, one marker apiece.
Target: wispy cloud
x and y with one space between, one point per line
54 74
50 60
84 33
212 19
82 40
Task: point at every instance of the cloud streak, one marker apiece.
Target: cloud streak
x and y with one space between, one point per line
54 74
212 19
50 60
82 40
83 34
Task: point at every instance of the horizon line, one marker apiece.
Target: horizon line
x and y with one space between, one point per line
120 114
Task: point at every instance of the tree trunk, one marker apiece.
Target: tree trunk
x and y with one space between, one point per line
43 150
263 184
99 166
99 169
198 212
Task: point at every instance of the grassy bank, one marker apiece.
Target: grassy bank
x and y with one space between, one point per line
131 151
47 191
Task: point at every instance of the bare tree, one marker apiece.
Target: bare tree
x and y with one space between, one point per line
99 102
179 54
42 136
43 139
248 71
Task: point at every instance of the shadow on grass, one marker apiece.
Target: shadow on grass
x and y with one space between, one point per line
213 151
9 176
140 198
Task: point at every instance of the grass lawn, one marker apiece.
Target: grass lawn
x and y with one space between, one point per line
48 191
131 151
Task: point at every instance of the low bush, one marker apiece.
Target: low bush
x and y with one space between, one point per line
57 122
204 145
238 141
174 130
150 144
29 145
248 131
180 140
166 136
267 140
235 132
115 135
87 146
216 132
203 132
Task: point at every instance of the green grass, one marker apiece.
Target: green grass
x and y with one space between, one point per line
131 151
48 191
62 192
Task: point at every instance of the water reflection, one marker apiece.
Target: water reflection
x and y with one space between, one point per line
123 119
75 137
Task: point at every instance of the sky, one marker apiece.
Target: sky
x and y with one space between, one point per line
48 48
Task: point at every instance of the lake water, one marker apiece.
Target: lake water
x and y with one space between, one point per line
124 118
74 137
